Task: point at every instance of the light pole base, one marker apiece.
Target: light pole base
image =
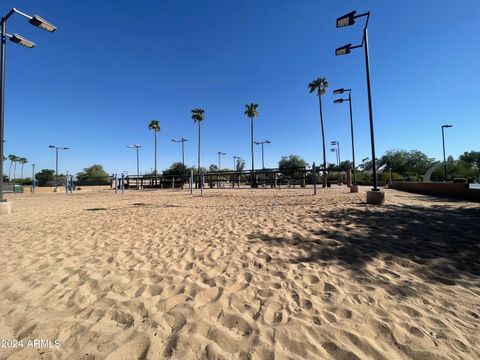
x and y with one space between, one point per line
6 207
375 197
354 189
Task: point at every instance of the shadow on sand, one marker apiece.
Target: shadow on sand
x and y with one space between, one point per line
439 244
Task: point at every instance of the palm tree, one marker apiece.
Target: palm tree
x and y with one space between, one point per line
321 85
12 159
155 126
198 115
252 112
22 161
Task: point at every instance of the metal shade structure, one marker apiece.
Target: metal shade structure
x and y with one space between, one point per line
42 23
346 20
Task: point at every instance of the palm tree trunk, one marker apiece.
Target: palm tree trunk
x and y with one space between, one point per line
251 149
198 163
14 169
155 138
10 171
21 172
323 143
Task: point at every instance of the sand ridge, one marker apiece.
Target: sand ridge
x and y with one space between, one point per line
241 274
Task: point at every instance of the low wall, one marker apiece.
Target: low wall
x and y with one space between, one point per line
47 189
451 190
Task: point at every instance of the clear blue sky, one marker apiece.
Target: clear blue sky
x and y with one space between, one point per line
112 66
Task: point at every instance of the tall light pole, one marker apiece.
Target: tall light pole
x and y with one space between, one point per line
220 153
444 158
348 20
235 162
136 146
336 154
261 143
35 21
339 101
181 140
56 162
33 178
337 143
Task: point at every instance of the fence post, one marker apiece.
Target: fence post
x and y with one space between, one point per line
123 183
66 185
33 185
200 180
191 181
71 184
116 184
314 179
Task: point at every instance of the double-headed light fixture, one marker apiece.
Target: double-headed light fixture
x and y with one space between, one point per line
37 21
262 143
348 20
220 153
136 146
340 101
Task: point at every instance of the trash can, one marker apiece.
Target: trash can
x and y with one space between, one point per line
329 184
17 188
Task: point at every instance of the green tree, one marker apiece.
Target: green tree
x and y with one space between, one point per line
213 168
176 169
411 163
94 174
251 112
22 161
198 115
345 165
12 159
289 164
44 177
155 126
473 158
320 85
240 164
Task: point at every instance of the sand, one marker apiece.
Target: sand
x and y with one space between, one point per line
240 274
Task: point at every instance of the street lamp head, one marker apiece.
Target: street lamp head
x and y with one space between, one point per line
20 40
42 23
338 101
333 143
346 20
268 142
344 50
339 91
183 139
66 148
447 126
333 150
51 146
257 142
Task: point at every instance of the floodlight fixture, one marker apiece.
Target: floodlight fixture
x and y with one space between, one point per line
20 40
42 23
346 20
344 50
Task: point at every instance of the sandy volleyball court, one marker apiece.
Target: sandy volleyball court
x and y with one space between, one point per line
240 274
